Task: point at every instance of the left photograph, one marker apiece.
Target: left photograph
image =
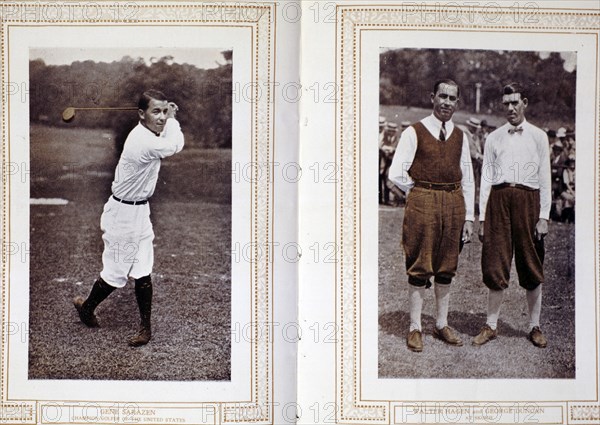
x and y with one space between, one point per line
130 214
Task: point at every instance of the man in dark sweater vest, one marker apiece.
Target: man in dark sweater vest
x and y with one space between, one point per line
432 165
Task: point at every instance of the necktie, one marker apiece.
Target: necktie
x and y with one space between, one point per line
443 132
515 130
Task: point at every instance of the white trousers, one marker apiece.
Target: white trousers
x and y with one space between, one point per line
128 242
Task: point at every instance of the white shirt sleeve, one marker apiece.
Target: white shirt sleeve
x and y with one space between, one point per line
403 159
488 171
468 183
545 177
168 143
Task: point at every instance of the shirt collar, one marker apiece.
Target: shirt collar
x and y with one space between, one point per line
438 124
156 134
523 124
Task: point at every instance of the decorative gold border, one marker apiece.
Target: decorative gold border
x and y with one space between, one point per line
261 18
351 21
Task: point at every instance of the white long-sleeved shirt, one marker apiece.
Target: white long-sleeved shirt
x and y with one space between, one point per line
522 158
137 171
405 155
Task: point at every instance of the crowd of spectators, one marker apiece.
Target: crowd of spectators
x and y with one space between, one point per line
562 161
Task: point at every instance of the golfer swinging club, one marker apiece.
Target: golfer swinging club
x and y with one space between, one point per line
126 228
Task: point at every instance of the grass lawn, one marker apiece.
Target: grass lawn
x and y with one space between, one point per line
511 355
191 215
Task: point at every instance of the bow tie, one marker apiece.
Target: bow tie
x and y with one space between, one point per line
515 130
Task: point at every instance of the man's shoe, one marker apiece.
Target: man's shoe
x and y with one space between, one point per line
414 341
537 337
87 317
486 335
448 335
85 308
142 338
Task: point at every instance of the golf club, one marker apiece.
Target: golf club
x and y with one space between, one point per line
69 113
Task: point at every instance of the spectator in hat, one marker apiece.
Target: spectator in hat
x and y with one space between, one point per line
387 149
472 130
570 142
551 137
485 131
561 135
568 194
558 159
396 197
382 126
382 165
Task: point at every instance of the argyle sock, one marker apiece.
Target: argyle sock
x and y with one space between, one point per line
442 300
534 302
415 301
495 299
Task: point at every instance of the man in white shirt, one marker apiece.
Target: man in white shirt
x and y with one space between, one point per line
126 228
515 202
432 165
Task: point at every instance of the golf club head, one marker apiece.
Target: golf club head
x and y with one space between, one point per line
68 114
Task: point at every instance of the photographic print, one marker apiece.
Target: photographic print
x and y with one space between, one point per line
407 78
132 212
76 160
388 61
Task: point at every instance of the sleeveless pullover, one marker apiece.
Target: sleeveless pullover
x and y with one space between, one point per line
436 161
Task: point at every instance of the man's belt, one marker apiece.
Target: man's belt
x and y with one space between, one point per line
145 201
448 187
515 185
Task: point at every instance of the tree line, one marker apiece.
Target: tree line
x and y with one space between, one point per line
407 77
204 96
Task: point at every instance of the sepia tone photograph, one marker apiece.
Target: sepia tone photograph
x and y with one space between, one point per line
130 214
476 214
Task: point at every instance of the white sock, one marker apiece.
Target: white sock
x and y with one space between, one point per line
534 302
415 302
495 299
442 300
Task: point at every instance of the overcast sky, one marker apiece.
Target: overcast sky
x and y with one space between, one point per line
201 58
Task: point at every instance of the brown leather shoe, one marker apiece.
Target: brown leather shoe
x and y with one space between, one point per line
485 335
537 337
414 341
448 335
87 317
142 338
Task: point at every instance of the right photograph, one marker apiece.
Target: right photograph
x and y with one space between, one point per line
477 160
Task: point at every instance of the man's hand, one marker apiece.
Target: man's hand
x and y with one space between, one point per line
481 231
541 229
467 231
173 108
